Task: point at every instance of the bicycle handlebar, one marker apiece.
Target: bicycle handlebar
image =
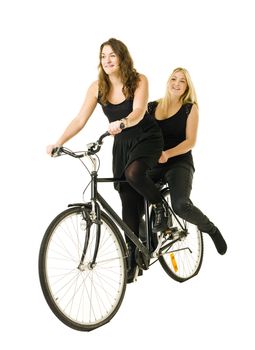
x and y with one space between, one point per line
99 141
93 148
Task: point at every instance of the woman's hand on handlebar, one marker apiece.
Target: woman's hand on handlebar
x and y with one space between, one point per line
115 128
50 149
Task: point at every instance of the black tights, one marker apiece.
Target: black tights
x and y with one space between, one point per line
136 176
132 208
132 194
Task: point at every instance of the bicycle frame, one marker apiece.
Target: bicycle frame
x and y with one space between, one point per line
96 197
95 217
95 212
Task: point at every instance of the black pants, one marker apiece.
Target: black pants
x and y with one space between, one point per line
180 179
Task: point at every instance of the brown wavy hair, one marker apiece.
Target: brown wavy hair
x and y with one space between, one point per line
129 75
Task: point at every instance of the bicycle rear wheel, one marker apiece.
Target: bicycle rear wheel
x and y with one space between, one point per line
81 296
183 259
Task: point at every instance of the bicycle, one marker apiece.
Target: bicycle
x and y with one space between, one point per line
83 256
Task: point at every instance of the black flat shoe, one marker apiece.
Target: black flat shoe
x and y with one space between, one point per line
219 241
160 218
133 274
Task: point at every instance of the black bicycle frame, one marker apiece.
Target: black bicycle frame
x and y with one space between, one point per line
96 197
94 209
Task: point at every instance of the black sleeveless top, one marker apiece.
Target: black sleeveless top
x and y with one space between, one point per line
174 132
121 110
142 141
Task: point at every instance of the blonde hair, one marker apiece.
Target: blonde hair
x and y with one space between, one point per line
189 95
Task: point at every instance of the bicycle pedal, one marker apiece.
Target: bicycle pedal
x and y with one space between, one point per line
172 233
168 231
168 234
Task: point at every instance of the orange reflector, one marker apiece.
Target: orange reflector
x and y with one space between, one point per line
174 263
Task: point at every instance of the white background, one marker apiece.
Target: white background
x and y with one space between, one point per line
49 56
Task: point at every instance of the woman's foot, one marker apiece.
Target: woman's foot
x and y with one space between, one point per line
133 273
133 270
160 218
219 241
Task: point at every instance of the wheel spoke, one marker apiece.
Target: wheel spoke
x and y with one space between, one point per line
184 257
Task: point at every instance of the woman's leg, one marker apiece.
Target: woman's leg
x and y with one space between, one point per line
136 175
132 209
180 183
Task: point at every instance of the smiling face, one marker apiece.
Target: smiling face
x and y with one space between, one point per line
177 84
109 60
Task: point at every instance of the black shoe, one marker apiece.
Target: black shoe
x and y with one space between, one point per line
131 263
160 218
219 241
133 274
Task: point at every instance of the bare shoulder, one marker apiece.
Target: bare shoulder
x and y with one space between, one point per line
193 112
93 89
143 82
143 78
194 108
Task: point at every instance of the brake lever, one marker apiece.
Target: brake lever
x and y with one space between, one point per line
93 148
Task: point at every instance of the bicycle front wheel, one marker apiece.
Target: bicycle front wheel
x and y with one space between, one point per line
82 296
183 259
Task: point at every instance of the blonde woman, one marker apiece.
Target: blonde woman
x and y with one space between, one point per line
177 116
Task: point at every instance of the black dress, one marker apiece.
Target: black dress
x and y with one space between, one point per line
141 141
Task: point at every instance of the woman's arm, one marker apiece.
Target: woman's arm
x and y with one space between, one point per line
189 142
139 108
81 119
140 102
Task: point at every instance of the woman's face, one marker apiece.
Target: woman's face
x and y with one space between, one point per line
177 84
109 60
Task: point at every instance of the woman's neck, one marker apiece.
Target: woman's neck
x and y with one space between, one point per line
163 112
115 79
175 101
115 94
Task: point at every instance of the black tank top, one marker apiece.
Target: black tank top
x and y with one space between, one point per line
174 132
121 110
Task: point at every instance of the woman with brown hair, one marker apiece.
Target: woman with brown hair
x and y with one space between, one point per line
123 95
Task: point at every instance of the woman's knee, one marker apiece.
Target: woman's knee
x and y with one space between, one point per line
130 175
134 178
181 207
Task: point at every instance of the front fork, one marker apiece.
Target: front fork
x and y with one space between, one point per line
91 214
96 219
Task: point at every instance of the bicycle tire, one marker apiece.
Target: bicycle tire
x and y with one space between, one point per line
183 259
89 298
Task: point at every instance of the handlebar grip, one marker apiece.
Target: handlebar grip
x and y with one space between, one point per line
122 126
55 151
100 140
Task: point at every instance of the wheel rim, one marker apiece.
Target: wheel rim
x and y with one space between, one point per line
184 257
